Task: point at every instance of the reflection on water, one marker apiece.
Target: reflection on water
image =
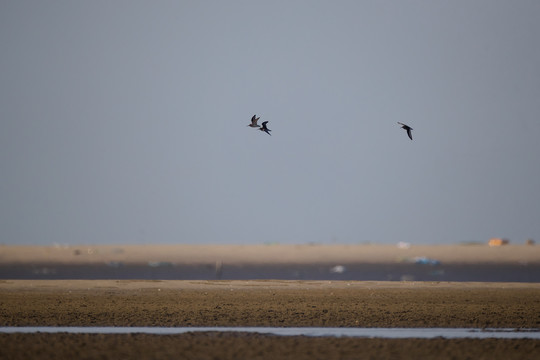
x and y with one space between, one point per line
389 333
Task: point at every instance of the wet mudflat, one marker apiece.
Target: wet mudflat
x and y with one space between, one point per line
264 303
268 303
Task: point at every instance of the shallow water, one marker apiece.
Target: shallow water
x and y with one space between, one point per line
360 272
388 333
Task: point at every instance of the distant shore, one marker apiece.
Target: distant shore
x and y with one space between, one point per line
509 263
268 254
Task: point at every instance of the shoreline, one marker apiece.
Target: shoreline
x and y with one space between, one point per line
510 263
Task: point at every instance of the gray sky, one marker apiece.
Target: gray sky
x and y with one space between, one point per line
126 121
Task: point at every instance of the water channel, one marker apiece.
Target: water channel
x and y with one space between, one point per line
388 333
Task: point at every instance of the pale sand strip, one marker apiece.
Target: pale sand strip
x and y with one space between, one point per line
65 285
267 254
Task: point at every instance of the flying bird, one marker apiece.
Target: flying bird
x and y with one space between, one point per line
264 128
407 128
254 122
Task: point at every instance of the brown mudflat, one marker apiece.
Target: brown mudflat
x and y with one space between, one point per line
264 303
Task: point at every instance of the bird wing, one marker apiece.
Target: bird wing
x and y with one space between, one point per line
409 133
405 126
264 124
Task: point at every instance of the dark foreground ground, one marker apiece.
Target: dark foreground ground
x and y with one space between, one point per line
264 303
253 346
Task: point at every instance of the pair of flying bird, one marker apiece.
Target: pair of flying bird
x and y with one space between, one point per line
254 120
254 124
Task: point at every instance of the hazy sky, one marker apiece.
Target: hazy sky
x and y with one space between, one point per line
126 121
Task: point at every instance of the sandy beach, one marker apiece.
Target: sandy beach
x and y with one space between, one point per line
268 254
